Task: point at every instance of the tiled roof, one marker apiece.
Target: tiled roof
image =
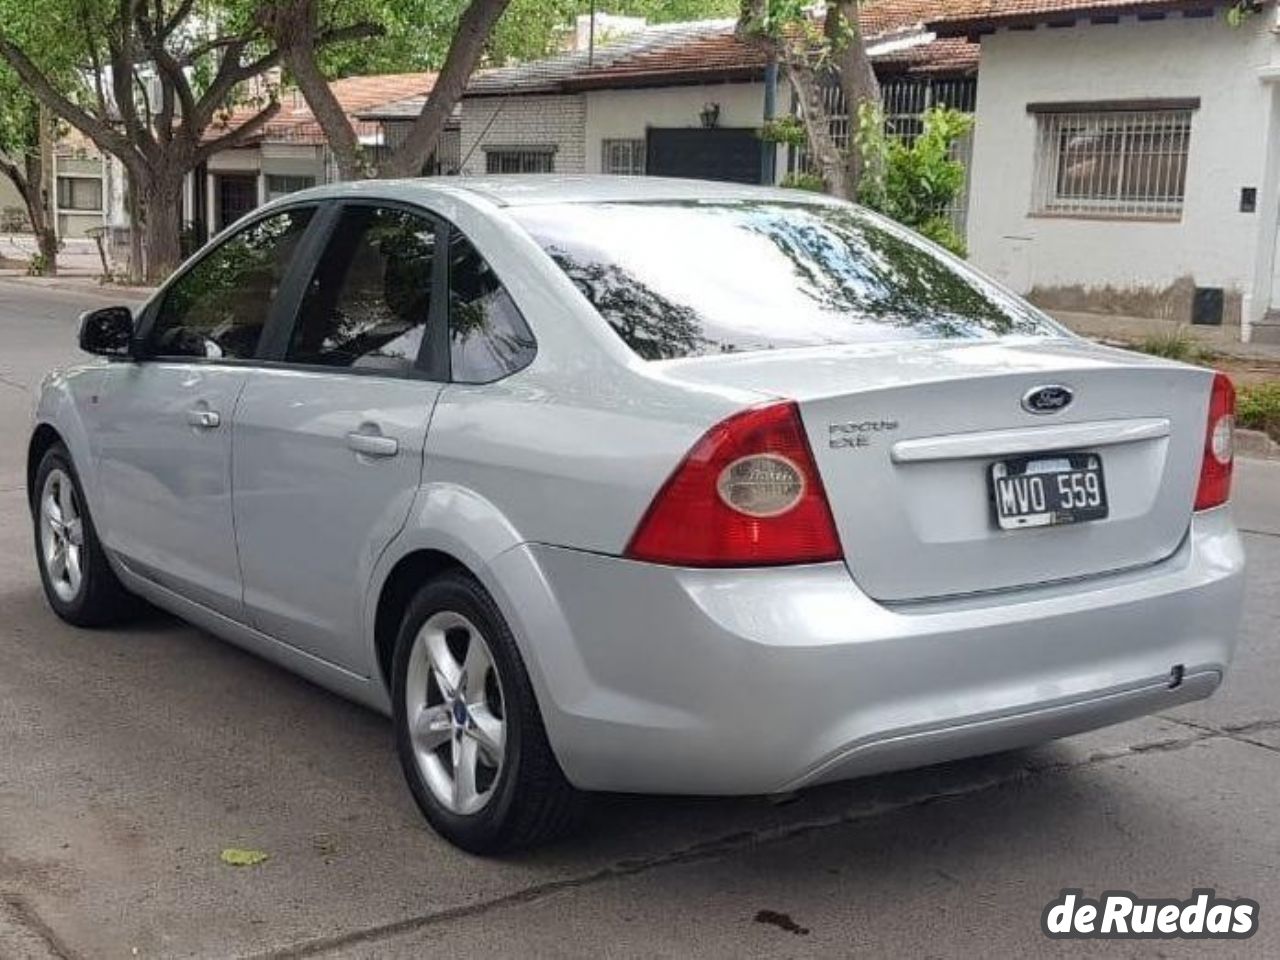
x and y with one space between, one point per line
701 51
952 56
294 123
962 17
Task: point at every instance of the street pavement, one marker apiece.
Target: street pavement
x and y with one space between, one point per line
130 758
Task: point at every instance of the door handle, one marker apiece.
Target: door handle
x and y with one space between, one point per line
204 419
373 444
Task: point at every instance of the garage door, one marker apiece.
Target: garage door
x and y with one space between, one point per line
719 154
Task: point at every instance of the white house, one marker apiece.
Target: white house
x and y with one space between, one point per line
1127 156
681 99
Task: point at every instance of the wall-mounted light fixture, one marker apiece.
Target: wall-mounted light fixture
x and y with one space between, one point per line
710 115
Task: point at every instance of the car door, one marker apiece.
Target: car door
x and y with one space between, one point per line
165 442
328 442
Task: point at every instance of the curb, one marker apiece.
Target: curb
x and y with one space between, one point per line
1256 444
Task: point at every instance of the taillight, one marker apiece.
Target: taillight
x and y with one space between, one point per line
1219 442
747 494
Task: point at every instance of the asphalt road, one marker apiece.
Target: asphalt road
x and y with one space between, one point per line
130 759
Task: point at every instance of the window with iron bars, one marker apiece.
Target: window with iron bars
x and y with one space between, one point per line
520 160
1125 164
622 157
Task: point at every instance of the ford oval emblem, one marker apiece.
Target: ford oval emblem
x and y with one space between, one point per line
1047 399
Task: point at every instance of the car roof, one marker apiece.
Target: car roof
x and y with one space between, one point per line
516 190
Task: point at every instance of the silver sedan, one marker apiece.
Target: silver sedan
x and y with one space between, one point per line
641 485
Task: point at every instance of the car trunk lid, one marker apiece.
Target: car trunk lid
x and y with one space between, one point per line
905 436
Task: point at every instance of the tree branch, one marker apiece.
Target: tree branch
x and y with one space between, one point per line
293 26
95 61
14 173
123 77
96 129
178 18
473 31
173 79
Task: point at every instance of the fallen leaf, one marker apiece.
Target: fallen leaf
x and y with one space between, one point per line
235 857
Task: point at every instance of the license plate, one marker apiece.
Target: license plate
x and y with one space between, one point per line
1048 491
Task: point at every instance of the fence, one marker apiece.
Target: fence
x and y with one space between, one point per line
905 100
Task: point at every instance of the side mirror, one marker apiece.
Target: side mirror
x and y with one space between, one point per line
107 332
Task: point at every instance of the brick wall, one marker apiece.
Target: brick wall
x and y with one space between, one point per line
533 121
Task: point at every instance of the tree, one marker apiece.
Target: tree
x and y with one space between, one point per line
295 25
154 77
807 51
25 129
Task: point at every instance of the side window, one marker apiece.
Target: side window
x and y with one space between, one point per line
367 305
218 308
488 338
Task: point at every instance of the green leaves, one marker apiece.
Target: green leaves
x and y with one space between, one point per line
1240 11
913 180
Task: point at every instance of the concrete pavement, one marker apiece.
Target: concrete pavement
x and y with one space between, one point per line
130 758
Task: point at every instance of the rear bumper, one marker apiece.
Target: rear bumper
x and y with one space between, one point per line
655 679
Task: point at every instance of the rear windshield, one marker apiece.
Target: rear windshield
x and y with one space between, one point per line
682 279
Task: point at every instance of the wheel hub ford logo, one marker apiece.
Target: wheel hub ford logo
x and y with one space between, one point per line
1048 399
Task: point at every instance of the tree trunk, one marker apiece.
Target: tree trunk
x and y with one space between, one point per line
134 188
43 185
795 54
473 31
333 120
823 149
292 23
163 229
857 80
28 186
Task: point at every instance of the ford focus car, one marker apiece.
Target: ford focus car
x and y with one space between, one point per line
642 485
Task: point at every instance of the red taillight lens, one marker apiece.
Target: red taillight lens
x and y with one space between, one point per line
1219 453
747 494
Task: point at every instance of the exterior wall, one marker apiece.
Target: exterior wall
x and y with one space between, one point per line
295 160
241 160
557 120
1115 265
627 114
73 224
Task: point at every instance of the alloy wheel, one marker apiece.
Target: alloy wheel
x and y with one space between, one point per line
455 711
62 535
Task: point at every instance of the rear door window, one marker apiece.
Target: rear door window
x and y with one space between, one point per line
368 304
218 308
488 338
680 279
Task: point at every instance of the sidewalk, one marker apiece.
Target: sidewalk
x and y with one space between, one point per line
1222 340
76 282
77 258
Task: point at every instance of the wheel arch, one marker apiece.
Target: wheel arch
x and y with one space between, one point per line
449 527
401 583
43 437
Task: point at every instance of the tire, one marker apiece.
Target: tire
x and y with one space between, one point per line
82 588
515 796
